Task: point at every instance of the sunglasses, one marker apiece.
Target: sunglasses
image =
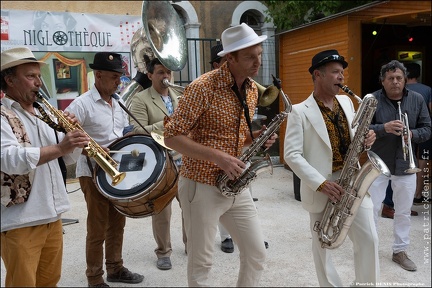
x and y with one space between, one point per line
331 58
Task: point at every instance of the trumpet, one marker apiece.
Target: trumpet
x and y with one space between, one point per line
93 149
406 146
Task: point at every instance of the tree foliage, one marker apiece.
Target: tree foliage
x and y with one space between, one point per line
290 14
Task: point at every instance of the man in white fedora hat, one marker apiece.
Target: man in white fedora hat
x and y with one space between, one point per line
33 194
210 128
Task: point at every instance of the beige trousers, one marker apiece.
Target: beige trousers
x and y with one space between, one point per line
203 207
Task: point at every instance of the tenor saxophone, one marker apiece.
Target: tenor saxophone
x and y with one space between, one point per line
355 180
94 150
231 188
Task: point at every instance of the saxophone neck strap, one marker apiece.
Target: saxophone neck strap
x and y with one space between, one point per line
45 118
242 100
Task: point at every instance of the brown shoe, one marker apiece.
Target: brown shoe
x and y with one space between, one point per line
402 259
125 276
387 212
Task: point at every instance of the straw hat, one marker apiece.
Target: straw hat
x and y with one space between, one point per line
239 37
17 56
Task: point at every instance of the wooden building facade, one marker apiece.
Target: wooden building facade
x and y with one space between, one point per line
350 32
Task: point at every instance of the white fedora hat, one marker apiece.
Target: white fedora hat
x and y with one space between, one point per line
239 37
17 56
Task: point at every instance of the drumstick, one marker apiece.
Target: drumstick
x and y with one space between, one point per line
134 153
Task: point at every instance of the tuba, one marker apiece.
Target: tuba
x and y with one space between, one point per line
162 36
355 180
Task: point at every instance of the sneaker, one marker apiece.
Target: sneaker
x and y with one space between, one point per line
227 245
402 259
422 200
164 263
103 284
125 276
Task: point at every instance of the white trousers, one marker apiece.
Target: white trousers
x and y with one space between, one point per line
364 237
403 194
203 207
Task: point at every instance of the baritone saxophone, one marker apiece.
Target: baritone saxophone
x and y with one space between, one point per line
355 180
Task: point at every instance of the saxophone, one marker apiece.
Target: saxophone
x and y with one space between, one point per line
231 188
355 180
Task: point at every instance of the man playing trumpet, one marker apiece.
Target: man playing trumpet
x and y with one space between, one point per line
394 100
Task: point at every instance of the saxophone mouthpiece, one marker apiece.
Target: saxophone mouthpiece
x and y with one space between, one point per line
346 89
349 92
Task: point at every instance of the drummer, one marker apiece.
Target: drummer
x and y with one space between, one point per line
104 120
149 108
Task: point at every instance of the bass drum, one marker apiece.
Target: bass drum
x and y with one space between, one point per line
151 177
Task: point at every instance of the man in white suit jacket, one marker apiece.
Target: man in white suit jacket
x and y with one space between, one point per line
317 138
150 107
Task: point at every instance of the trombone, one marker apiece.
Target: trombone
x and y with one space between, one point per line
406 146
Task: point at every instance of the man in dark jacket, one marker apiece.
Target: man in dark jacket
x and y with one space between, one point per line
394 100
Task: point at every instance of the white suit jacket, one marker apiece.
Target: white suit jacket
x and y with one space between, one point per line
307 149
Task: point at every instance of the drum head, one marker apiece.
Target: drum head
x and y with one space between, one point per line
141 171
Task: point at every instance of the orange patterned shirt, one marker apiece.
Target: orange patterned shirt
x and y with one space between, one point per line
211 114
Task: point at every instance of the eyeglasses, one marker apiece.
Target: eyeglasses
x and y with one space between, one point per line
332 57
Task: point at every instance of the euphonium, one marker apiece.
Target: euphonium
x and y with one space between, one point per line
355 180
102 158
230 188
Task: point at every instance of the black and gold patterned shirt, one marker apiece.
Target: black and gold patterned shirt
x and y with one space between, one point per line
337 128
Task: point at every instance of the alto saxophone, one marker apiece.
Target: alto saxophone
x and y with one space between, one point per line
231 188
102 158
355 180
